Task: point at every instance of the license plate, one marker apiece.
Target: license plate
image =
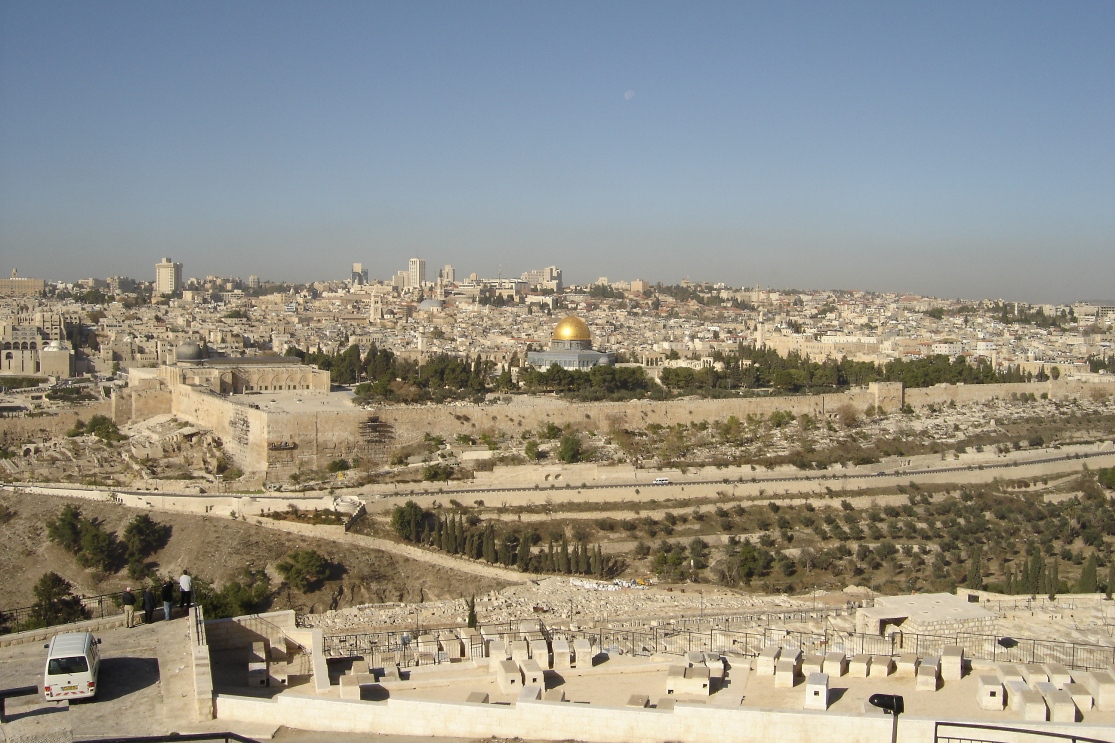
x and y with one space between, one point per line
69 688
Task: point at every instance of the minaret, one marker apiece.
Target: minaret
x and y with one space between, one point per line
761 340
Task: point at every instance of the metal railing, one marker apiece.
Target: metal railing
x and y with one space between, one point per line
94 607
174 738
971 732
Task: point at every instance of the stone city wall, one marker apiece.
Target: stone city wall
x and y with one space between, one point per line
411 423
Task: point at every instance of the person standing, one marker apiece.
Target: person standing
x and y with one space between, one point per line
129 602
185 590
168 598
148 605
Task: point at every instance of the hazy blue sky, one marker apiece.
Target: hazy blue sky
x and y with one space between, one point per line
958 149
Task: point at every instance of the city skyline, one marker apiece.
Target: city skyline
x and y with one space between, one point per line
949 151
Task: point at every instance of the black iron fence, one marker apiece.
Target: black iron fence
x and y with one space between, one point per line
30 617
404 649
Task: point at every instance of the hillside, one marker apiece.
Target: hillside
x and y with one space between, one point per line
217 550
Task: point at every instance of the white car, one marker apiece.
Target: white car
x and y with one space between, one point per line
661 481
72 664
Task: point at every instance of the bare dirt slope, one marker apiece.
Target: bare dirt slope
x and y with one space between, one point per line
218 550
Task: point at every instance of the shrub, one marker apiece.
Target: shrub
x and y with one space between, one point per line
55 603
304 570
339 465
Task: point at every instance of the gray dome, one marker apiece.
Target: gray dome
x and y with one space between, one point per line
189 352
431 304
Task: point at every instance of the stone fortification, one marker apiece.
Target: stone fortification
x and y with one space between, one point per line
281 440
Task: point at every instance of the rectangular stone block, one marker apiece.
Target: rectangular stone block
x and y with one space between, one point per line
695 658
1044 688
520 651
582 651
952 663
881 666
926 678
1034 673
1033 706
1011 672
1102 686
793 655
907 665
835 665
1081 697
860 666
497 653
666 704
532 673
554 695
530 693
767 659
785 674
638 700
508 677
563 657
1061 706
359 666
350 687
1059 676
1015 689
477 697
540 653
817 691
812 664
990 694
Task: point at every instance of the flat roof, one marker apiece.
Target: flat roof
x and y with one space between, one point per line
927 607
298 401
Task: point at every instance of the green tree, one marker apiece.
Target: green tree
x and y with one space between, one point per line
1088 582
569 450
409 521
249 595
531 450
1054 579
143 536
55 603
304 570
339 465
975 570
65 529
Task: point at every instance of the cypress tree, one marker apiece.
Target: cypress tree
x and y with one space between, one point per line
975 570
1088 578
548 567
523 561
439 535
563 557
1110 578
1054 579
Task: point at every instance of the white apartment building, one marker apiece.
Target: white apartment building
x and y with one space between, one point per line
416 272
168 277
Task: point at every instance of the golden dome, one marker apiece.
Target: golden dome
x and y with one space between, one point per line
572 328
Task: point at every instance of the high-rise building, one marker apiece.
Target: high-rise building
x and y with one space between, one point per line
359 274
253 282
447 275
416 274
168 277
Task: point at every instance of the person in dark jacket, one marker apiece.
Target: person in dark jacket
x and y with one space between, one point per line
129 602
168 598
148 605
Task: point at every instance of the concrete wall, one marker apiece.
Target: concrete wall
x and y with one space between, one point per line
567 721
238 632
201 666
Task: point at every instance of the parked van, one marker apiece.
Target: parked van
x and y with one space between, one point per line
661 481
72 664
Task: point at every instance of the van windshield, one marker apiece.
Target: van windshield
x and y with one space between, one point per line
67 666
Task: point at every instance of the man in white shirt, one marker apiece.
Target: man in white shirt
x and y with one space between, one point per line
186 589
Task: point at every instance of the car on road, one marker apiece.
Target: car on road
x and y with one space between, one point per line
661 481
72 665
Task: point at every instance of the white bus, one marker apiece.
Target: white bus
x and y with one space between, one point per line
72 664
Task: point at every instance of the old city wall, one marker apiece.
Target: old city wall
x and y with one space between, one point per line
961 394
411 423
525 414
138 403
51 425
241 429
